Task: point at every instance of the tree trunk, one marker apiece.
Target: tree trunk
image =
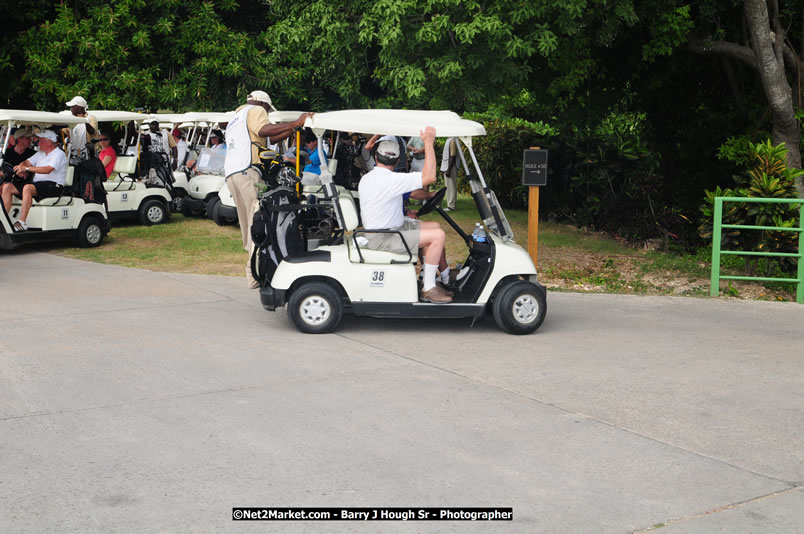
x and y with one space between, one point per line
768 49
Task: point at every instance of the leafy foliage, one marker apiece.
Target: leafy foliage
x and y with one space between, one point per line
768 177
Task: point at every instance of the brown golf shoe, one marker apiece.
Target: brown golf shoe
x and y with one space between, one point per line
436 295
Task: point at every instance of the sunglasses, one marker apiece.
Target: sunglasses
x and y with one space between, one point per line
104 138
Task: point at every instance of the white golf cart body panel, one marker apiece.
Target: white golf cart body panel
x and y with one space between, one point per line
50 216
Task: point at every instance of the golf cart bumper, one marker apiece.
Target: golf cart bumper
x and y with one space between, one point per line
194 203
272 298
230 212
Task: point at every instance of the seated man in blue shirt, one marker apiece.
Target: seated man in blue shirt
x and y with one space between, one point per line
312 170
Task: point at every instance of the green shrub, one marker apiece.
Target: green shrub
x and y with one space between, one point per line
768 177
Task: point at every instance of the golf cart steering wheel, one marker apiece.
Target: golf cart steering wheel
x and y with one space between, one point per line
434 201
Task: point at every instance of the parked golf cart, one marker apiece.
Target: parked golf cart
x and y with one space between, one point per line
321 284
128 197
50 219
224 212
204 185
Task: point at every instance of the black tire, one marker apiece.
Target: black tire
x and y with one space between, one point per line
187 212
212 203
315 308
153 212
520 307
90 232
221 220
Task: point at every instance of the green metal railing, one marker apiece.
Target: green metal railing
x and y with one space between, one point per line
717 233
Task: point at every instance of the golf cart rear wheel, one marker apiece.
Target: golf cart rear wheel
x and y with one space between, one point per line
187 211
153 212
315 308
90 233
520 307
212 205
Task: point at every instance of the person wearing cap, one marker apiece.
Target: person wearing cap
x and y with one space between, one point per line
81 133
49 166
381 192
216 140
16 154
246 135
161 142
181 146
312 171
402 162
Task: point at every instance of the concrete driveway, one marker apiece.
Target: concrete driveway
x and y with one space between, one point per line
141 401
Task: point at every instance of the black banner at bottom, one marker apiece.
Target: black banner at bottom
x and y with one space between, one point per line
373 514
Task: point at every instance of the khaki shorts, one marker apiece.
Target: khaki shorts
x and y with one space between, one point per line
393 243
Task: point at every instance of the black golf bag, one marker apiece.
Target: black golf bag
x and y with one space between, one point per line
88 181
277 231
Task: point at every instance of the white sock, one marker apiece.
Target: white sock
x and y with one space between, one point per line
445 276
428 282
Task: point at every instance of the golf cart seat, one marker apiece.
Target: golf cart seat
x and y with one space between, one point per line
64 200
123 165
361 254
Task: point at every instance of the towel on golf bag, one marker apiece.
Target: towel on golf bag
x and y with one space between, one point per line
277 232
89 183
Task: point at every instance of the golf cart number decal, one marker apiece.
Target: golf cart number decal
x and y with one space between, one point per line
124 197
65 213
377 278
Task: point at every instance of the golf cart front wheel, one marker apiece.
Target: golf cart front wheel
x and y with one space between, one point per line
315 308
153 212
90 233
520 307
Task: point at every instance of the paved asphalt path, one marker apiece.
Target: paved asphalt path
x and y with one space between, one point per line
133 401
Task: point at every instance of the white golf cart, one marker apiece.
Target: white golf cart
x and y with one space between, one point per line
127 196
225 211
319 285
204 186
50 219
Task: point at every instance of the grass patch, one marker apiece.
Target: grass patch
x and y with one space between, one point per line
569 258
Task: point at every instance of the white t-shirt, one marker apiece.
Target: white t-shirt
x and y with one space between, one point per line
381 193
56 159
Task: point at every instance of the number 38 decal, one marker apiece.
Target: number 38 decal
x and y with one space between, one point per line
377 278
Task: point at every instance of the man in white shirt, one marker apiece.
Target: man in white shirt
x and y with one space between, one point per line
181 147
81 133
49 166
381 202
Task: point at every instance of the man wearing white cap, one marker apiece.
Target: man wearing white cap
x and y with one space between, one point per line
246 135
49 166
381 192
80 134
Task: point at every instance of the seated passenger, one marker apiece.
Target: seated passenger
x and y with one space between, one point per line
49 166
312 171
107 154
18 151
216 140
381 192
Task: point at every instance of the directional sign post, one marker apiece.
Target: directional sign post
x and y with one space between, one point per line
534 175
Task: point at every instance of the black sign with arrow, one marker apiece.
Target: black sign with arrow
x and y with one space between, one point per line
534 167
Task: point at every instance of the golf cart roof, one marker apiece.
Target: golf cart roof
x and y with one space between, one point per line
170 118
208 116
402 122
277 117
108 115
40 118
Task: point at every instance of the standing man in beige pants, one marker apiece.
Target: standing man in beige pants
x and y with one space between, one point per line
248 133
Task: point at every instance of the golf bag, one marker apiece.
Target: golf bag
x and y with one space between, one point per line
277 231
88 182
